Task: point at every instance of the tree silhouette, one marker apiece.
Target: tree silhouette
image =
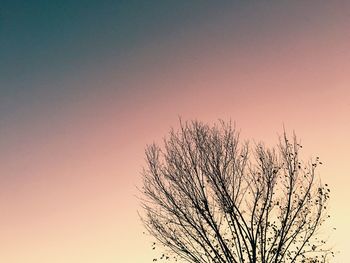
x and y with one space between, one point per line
206 197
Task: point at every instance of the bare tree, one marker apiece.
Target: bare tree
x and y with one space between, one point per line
209 198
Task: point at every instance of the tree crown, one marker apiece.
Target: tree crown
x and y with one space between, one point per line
209 198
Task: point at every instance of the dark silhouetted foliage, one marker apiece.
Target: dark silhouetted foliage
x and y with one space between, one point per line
206 197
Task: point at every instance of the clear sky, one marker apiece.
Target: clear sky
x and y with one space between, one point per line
85 85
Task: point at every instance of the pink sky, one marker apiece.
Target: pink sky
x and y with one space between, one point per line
71 174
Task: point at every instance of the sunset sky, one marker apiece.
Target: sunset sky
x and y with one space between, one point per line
85 85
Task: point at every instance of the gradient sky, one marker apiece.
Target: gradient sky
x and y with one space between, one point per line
85 85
